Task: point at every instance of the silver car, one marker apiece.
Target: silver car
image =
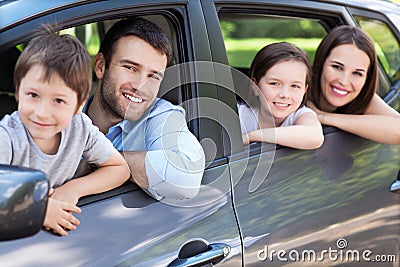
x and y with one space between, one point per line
259 205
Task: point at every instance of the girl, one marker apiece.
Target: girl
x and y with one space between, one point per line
275 113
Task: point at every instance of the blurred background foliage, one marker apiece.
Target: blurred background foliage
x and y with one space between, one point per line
244 37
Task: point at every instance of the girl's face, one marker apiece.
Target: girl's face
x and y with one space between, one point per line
343 75
283 87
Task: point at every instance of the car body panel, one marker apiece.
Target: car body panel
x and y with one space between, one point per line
310 200
132 229
295 200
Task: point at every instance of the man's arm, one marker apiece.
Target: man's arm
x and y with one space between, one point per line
137 166
173 165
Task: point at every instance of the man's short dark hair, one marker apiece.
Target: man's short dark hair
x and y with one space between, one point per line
139 27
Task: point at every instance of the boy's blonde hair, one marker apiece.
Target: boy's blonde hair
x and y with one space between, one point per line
63 55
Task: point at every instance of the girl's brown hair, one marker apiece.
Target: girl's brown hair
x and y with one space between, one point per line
269 56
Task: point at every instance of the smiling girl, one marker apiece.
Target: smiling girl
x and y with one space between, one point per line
280 75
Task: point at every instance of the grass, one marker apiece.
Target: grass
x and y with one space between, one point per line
241 52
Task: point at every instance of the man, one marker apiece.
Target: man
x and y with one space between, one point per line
164 157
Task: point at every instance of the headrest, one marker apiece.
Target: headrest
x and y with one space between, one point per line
8 59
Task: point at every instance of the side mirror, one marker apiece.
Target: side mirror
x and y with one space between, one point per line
395 187
23 201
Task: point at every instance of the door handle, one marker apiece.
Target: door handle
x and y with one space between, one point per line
395 187
214 254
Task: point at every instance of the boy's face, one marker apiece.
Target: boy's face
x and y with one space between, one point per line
45 108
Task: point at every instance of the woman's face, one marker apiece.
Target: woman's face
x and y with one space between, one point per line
343 75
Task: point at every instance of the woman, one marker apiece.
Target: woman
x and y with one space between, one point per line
345 83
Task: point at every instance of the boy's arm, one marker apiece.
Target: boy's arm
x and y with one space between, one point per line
109 175
305 134
6 147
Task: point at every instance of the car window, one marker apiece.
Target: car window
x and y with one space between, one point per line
90 35
244 35
387 46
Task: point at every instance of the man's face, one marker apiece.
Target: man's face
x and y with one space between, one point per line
132 81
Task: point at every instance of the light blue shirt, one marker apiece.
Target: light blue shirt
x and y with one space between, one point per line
174 160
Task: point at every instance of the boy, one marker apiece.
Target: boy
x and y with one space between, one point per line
49 132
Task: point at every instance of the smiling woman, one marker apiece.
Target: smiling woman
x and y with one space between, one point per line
345 83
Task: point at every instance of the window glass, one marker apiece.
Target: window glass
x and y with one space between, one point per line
88 34
387 46
244 35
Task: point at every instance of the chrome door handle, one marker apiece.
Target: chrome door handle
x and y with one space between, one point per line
215 254
395 187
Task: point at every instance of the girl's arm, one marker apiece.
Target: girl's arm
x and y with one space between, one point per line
305 134
109 175
380 122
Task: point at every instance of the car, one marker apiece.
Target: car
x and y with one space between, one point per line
259 205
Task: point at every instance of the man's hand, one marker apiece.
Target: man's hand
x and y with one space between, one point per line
59 216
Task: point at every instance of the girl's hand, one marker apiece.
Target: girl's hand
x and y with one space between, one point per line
246 139
319 112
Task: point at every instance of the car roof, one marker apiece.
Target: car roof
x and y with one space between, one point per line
384 6
388 7
16 11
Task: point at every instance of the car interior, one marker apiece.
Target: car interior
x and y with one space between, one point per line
8 59
169 90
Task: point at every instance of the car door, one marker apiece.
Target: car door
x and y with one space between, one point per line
323 207
125 226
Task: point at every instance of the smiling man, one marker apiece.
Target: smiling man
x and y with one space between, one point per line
164 157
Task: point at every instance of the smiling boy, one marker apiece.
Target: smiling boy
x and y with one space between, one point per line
49 132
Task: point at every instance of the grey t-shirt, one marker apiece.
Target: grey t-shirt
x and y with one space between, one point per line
81 139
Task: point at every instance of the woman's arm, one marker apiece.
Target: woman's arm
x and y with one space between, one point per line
305 134
380 122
